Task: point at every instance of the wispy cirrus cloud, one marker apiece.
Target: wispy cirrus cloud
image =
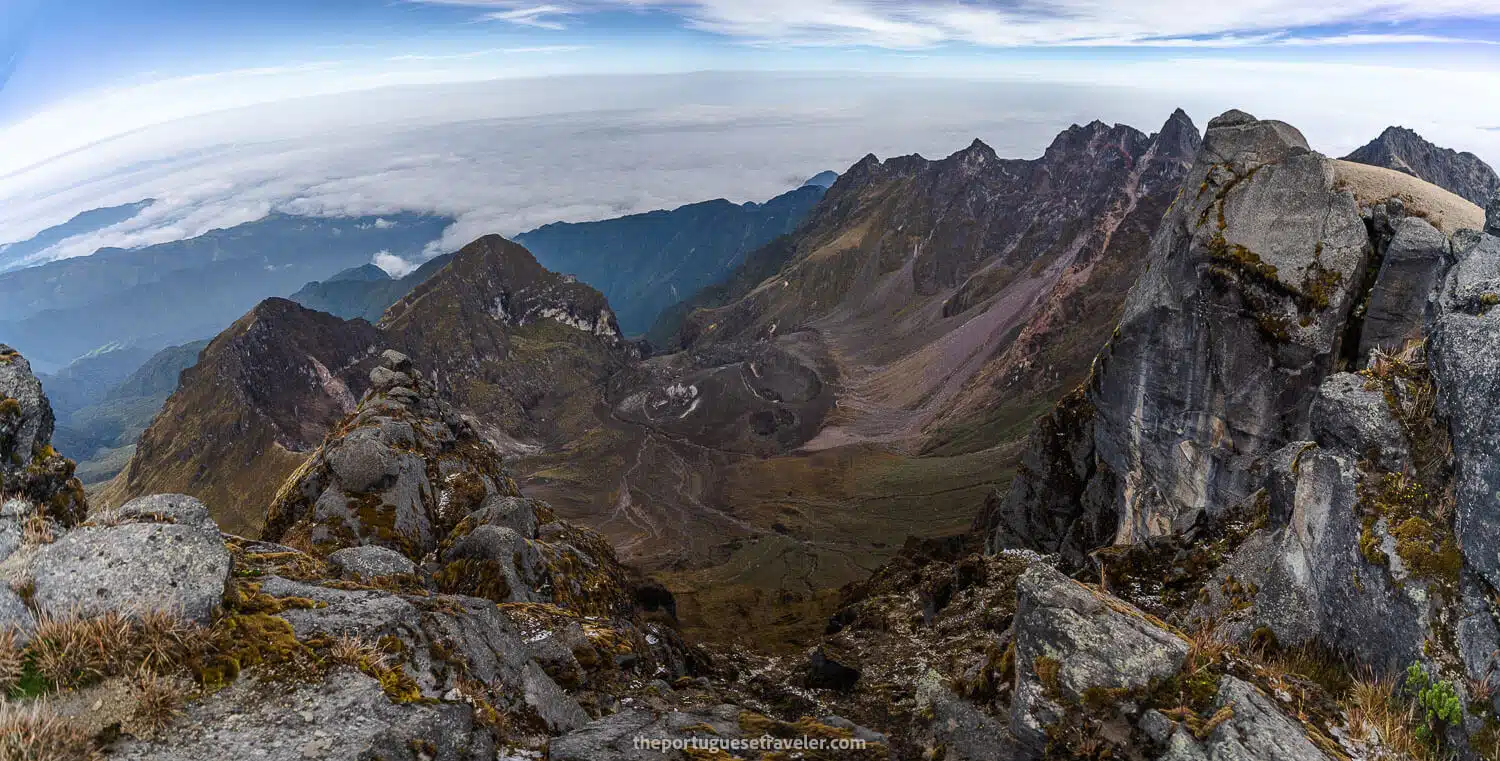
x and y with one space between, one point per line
1044 23
539 16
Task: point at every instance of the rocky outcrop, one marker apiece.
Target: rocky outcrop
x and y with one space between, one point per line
1466 367
1291 427
161 637
29 467
1224 340
1072 642
400 472
1412 261
1405 151
347 717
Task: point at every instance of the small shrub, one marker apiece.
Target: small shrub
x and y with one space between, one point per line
1437 703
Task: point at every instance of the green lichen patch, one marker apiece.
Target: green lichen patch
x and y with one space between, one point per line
1415 519
476 577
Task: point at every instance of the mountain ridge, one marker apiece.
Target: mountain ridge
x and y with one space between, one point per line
1406 151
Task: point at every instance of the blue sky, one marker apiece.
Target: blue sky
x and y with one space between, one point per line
64 48
225 110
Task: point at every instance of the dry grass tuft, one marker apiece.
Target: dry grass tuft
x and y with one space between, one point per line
12 662
163 641
37 530
158 700
1377 715
74 650
359 653
34 733
71 651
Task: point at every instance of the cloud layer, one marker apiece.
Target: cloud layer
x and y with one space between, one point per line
509 156
921 23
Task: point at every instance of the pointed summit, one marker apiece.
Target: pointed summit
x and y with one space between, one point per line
1405 151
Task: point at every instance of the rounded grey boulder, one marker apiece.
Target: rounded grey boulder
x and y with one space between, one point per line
371 561
133 568
178 509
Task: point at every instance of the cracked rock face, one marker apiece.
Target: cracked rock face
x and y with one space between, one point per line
1465 356
1224 341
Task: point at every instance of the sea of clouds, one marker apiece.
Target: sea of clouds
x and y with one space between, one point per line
508 156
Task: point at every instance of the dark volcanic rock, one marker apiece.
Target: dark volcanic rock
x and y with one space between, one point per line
1405 151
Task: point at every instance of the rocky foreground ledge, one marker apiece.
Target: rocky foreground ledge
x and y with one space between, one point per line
420 608
416 606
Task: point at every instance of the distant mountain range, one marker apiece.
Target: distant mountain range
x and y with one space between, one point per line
364 292
20 254
643 263
162 295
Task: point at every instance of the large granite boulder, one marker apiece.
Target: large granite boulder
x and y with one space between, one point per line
132 568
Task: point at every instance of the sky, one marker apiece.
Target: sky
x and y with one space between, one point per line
511 113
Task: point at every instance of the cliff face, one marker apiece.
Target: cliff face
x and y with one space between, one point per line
1289 437
1405 151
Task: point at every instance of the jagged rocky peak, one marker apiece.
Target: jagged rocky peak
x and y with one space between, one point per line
1223 341
1406 151
262 396
399 472
30 469
514 288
